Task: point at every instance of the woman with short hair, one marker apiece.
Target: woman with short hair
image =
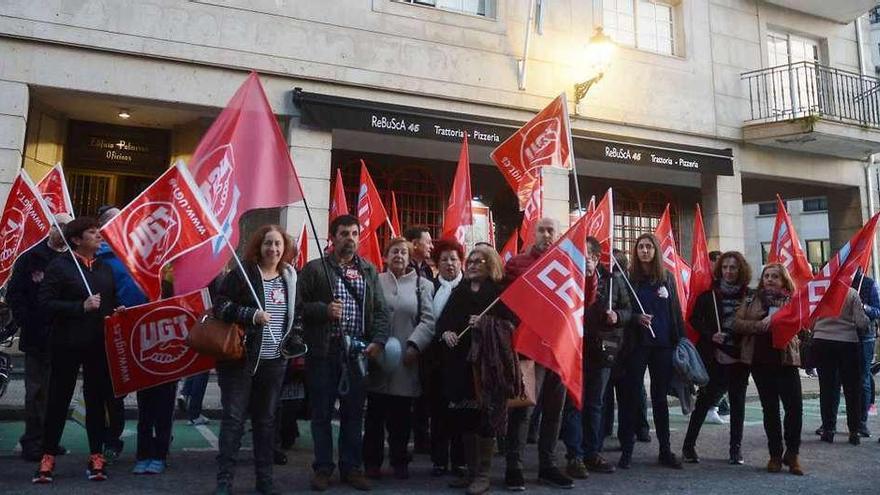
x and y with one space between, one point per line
252 385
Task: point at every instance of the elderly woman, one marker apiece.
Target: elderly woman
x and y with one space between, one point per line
476 331
390 392
775 371
446 448
253 384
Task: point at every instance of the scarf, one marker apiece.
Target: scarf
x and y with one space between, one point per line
773 298
441 297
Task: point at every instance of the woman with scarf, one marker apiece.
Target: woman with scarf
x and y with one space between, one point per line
446 449
775 371
654 335
712 317
390 394
480 367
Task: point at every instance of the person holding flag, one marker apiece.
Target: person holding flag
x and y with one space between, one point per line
345 317
77 293
775 371
28 274
712 318
657 331
551 390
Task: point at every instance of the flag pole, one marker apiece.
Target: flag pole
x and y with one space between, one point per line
318 241
610 243
577 190
636 296
54 222
490 306
715 303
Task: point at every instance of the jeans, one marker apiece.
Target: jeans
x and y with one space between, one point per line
552 398
867 388
658 361
730 378
155 416
613 389
37 368
595 385
394 414
96 391
780 384
838 363
194 387
240 394
323 378
572 431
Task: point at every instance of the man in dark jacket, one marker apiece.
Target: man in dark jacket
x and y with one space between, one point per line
27 276
551 390
344 317
604 325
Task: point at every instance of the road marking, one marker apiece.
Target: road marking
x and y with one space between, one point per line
209 436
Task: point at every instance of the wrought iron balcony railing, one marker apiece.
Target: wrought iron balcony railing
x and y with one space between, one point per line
810 90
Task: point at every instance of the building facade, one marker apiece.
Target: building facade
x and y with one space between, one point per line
719 102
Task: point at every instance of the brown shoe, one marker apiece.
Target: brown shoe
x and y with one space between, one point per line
356 479
793 463
576 469
320 481
774 465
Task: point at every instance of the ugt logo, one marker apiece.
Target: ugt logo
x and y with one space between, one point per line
540 144
152 232
158 342
218 187
364 210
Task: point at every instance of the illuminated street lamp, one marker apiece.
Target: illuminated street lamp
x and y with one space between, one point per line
597 58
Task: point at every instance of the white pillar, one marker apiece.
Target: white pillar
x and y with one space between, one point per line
556 187
723 212
311 151
13 124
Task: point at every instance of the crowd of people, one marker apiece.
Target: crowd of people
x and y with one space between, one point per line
425 349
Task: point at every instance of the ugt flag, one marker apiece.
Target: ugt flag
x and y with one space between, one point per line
303 247
824 295
601 225
459 213
701 272
669 254
543 141
146 345
785 248
395 217
533 212
371 215
510 248
160 224
242 163
53 188
24 223
549 300
338 206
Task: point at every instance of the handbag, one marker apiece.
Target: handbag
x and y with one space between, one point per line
529 396
218 339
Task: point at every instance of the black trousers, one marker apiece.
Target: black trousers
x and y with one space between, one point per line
37 368
732 379
155 417
446 446
839 363
658 362
62 382
780 384
391 413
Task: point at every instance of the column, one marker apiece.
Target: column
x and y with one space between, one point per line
311 152
13 122
723 212
556 187
844 215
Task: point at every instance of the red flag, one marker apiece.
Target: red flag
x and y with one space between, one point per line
543 141
510 249
146 345
242 163
24 223
549 300
303 248
371 215
533 212
338 206
701 272
459 213
165 221
491 229
785 248
591 206
669 255
395 217
601 226
53 188
824 295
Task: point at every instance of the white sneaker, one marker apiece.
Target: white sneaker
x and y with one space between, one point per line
713 418
201 420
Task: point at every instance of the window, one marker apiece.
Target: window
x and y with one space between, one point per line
483 8
816 204
768 208
644 24
818 252
792 89
765 252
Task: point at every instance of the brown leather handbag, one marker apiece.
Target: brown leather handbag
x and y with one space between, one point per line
530 393
216 338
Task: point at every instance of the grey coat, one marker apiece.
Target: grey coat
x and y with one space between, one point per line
408 327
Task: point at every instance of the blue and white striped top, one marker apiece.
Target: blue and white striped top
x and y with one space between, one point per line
275 297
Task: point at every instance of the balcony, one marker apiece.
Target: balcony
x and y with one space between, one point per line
811 108
842 11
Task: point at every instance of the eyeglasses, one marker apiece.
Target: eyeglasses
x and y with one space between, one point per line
476 261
